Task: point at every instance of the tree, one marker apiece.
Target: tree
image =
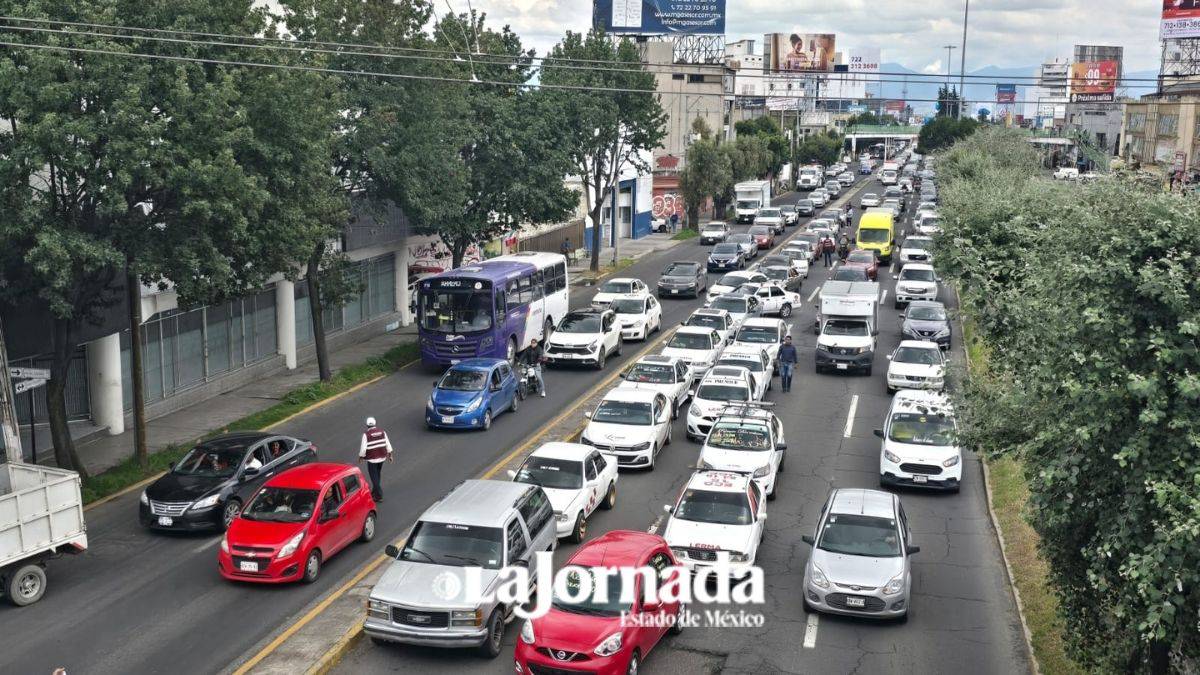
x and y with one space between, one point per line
948 102
610 121
943 132
706 174
767 128
822 149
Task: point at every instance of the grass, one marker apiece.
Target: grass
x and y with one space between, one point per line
128 472
606 270
685 234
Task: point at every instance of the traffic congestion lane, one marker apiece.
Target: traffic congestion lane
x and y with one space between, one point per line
138 600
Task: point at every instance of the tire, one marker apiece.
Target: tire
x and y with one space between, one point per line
634 665
610 498
494 642
379 642
601 359
511 356
487 419
26 586
668 441
785 311
368 528
782 463
774 488
674 410
516 402
232 508
903 618
867 372
888 388
653 457
818 369
620 346
312 567
579 532
896 305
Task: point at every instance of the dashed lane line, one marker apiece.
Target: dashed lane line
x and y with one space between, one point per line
883 297
810 631
850 416
814 293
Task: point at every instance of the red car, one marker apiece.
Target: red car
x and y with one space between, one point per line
865 260
281 535
763 235
588 637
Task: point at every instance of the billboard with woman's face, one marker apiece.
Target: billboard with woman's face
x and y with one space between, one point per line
800 52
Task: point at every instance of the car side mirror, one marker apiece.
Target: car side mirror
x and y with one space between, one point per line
914 549
878 432
808 539
691 392
250 472
512 474
889 357
391 551
587 415
781 446
435 384
762 516
668 508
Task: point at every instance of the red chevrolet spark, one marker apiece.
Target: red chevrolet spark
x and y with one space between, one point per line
283 535
591 636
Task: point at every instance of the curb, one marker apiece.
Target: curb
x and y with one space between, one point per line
330 659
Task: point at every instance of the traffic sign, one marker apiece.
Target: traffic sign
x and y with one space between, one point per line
30 373
25 385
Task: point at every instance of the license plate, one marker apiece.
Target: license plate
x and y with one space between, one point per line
920 479
165 521
843 366
856 602
455 362
674 290
248 566
447 420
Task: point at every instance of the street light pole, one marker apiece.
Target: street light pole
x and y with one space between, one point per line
962 64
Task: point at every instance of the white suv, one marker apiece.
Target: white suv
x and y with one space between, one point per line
720 387
714 232
585 337
917 281
916 365
916 248
920 445
763 333
718 513
632 424
747 438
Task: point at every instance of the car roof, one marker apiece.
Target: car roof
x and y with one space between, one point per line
762 321
309 476
482 503
916 266
863 501
919 344
728 374
565 451
659 359
719 481
635 395
617 548
477 363
742 351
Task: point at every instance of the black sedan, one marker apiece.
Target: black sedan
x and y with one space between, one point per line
682 278
728 256
207 488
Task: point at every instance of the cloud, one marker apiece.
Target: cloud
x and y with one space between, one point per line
934 68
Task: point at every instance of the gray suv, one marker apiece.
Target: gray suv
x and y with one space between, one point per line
481 524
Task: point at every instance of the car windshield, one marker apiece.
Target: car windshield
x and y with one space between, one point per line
734 280
280 504
629 306
850 274
558 474
741 238
713 227
682 270
616 287
604 600
870 196
832 214
768 213
741 361
580 323
454 545
910 274
852 534
776 273
651 373
731 304
739 437
218 461
918 242
723 392
710 506
921 355
744 204
690 341
929 222
844 327
460 310
760 230
463 380
758 335
776 261
726 249
927 313
873 235
864 257
707 321
803 203
809 238
922 429
623 412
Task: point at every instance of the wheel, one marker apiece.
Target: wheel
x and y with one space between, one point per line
610 497
495 640
653 456
368 528
785 311
487 419
782 462
27 585
511 355
677 625
601 358
818 369
380 642
632 668
232 508
516 402
888 388
771 382
312 567
521 391
579 531
620 345
774 488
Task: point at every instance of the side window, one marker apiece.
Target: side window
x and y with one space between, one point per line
776 291
503 371
755 497
535 509
525 290
601 463
515 539
333 498
589 468
680 371
560 273
261 454
350 484
501 304
496 379
536 285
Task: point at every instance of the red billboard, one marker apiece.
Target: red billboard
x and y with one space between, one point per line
1006 93
1093 81
896 107
1180 19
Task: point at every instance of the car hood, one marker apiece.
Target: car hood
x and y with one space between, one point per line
417 585
923 454
693 355
857 570
723 256
572 339
768 219
605 298
455 398
719 289
905 283
915 369
677 279
844 341
245 532
619 434
174 487
561 499
666 389
915 324
687 533
913 250
724 459
573 632
709 408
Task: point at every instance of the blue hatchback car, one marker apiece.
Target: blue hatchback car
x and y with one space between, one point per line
471 393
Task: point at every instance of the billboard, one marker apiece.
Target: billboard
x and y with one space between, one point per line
1180 19
1006 93
800 52
1093 81
850 81
894 107
655 17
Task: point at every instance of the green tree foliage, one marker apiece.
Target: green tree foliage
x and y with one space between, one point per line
767 128
823 149
942 132
1088 301
948 102
706 175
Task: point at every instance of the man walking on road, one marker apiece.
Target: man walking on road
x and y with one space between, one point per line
787 363
375 449
827 247
533 358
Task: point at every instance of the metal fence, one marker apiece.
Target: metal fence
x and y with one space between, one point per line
551 241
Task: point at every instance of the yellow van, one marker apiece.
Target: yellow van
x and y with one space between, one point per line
877 232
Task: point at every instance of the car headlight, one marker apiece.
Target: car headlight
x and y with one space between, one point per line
473 405
862 350
225 543
527 632
378 609
942 333
739 557
762 471
144 499
592 347
290 547
609 646
641 446
695 410
466 617
679 551
637 324
818 577
894 586
429 404
207 502
891 457
953 461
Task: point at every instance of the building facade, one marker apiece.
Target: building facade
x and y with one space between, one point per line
1159 133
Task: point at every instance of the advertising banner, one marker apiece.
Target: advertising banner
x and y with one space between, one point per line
850 84
1180 19
1093 81
895 107
1006 93
800 52
655 17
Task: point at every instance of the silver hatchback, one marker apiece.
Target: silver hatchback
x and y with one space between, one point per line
860 560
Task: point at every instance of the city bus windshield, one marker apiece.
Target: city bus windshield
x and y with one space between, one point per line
458 310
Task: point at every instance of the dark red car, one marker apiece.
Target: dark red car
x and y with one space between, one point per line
866 260
763 235
590 636
297 521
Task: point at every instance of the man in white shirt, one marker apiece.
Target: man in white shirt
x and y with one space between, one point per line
375 449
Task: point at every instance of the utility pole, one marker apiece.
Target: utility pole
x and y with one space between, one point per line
962 64
949 59
8 409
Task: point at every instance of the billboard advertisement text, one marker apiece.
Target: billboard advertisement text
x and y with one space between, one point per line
1180 19
800 52
1093 81
862 69
655 17
1006 93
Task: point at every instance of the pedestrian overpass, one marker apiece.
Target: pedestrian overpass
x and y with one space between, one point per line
871 134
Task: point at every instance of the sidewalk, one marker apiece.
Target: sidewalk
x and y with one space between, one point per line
627 249
100 451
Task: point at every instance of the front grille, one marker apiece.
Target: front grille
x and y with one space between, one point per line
917 256
563 349
454 349
172 509
449 410
253 549
838 601
702 554
929 469
421 618
914 289
562 655
843 351
536 669
926 333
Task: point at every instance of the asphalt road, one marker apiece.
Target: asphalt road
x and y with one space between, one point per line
147 603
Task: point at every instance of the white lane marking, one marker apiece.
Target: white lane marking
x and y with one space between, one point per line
850 416
810 631
654 528
814 293
203 547
894 267
883 297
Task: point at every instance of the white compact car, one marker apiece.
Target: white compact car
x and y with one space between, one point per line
916 365
632 424
747 438
714 232
732 281
775 300
720 387
639 315
819 197
869 200
585 337
615 288
927 224
763 333
719 513
668 375
741 304
716 319
917 281
577 479
752 358
697 346
920 444
802 249
916 248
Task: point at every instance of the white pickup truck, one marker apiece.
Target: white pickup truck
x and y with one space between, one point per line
41 517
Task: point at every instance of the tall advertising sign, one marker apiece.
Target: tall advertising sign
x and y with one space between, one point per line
800 52
1006 93
656 17
1093 81
1180 19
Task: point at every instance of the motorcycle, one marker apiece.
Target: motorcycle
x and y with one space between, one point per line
527 383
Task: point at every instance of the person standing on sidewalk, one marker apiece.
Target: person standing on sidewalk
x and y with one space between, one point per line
375 449
787 363
674 222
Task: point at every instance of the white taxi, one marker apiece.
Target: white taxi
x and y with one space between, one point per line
748 438
696 345
716 319
668 375
718 513
732 281
763 333
639 315
916 364
632 424
755 360
720 387
920 442
614 288
577 480
777 300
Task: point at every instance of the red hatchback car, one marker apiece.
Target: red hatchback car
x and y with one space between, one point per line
588 637
283 535
763 235
865 260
